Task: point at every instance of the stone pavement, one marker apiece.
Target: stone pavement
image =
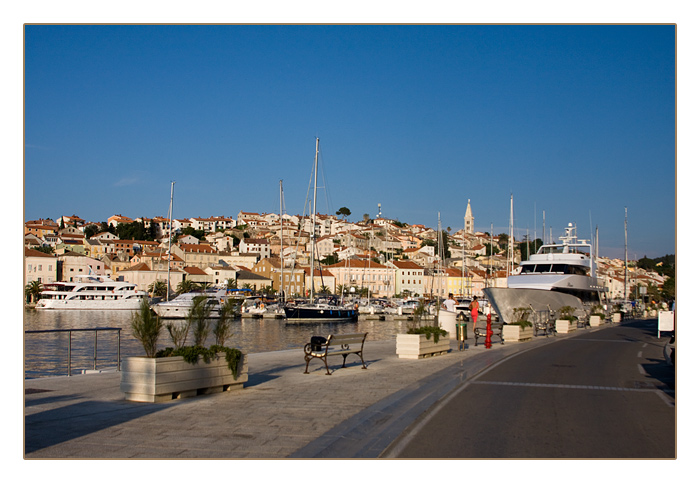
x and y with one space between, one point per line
281 412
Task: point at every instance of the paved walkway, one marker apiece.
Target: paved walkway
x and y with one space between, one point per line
281 413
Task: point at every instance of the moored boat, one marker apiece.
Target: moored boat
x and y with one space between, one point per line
319 310
558 275
179 307
90 292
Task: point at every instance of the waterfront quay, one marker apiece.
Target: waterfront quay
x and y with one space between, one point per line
281 413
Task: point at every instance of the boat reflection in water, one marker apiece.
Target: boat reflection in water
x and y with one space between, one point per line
46 354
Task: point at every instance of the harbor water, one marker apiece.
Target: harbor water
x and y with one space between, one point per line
46 354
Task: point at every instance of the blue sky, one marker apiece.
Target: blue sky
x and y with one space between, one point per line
575 121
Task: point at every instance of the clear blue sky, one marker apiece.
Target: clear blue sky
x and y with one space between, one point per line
575 121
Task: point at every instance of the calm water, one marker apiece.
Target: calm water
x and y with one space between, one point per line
47 354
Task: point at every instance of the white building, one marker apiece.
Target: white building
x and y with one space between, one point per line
39 267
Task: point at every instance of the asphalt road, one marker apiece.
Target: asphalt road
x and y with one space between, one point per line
599 394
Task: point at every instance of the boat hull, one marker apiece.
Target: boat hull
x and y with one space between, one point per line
127 304
504 300
315 313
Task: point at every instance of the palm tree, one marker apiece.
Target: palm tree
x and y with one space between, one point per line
33 290
158 288
185 286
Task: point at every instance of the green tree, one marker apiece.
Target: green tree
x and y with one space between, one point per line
186 286
344 212
90 231
33 290
330 259
159 288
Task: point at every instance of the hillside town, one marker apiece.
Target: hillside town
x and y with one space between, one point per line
378 257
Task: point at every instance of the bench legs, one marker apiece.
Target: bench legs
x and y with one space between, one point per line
325 361
345 356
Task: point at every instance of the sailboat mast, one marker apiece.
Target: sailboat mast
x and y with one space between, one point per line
624 296
313 224
440 255
170 235
281 247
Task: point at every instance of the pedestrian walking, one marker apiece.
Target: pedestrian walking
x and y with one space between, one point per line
474 308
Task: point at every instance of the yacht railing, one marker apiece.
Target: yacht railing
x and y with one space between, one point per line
94 352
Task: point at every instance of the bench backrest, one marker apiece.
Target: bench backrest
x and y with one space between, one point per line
339 339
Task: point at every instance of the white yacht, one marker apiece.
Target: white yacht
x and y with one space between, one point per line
179 307
556 276
91 292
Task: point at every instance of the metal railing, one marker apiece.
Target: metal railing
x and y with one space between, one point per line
95 330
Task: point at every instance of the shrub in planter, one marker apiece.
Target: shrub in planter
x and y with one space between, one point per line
146 327
567 313
222 329
413 345
521 316
520 328
191 355
428 331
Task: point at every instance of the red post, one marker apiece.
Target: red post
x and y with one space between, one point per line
489 332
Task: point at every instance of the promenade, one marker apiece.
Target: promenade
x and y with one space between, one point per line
281 412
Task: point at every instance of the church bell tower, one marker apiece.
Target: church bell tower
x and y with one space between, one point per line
469 219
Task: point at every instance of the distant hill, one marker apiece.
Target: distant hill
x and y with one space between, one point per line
665 265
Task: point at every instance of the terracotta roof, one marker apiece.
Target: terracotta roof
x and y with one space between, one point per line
407 264
194 271
140 267
28 252
197 248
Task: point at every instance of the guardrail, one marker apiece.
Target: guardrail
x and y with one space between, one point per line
95 330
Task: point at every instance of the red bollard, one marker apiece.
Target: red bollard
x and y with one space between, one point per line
489 332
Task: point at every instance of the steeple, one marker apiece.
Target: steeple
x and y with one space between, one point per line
469 219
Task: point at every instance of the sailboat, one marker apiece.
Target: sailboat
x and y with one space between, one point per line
327 308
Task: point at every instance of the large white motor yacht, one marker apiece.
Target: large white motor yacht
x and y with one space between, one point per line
557 275
90 292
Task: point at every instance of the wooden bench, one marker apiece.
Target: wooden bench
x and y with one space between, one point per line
334 345
497 330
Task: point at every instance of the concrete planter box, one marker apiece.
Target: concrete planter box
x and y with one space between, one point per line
617 317
515 333
165 378
417 346
563 326
595 321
